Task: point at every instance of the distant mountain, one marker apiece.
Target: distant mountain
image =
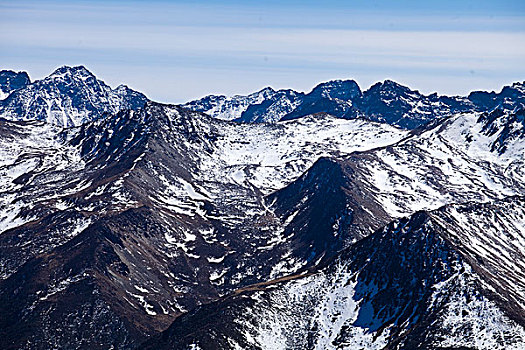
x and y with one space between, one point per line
387 102
398 105
262 106
269 105
335 98
510 97
70 96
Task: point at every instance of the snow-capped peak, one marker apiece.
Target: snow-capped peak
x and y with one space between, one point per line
70 96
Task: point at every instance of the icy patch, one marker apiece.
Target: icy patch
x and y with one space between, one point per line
217 276
142 301
141 289
216 260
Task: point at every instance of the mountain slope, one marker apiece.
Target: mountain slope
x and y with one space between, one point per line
147 214
70 96
414 284
452 161
169 209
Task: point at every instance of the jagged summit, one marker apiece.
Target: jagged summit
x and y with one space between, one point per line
71 71
391 87
519 86
266 105
510 98
341 89
267 90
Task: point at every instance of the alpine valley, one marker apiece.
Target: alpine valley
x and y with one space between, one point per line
333 219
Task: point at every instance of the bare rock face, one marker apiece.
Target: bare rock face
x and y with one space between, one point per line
11 81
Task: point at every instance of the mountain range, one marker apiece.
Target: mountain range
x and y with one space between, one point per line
383 219
387 102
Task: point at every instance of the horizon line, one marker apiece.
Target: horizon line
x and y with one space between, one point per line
269 86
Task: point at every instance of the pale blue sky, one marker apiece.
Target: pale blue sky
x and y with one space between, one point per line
176 51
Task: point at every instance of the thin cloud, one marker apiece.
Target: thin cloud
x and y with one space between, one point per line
200 44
